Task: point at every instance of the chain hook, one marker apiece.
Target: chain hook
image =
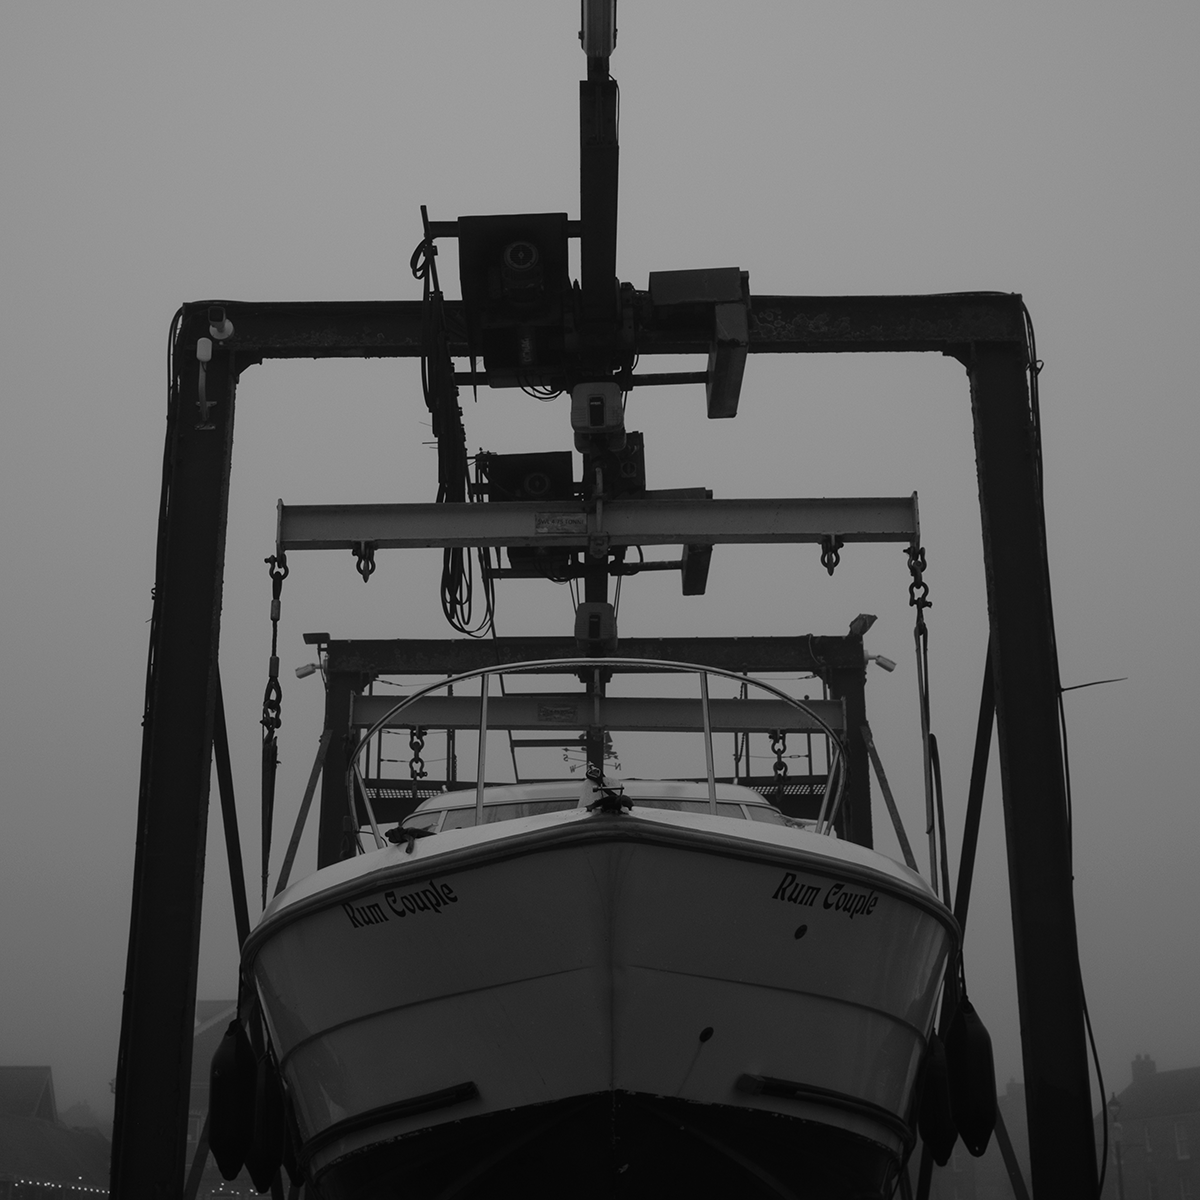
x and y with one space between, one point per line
272 704
277 565
364 559
831 552
422 259
416 744
779 749
918 590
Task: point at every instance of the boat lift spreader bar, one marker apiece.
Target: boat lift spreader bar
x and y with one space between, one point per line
574 710
830 657
618 523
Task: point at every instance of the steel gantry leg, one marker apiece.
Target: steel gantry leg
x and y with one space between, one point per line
1037 828
154 1058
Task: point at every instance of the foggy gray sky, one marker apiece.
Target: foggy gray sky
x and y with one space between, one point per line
159 153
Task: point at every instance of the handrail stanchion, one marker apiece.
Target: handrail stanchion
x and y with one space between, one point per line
481 762
708 751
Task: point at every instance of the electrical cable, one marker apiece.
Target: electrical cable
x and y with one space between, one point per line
543 393
441 398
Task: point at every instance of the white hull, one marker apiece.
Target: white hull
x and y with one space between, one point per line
660 954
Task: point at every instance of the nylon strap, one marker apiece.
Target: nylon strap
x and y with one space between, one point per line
233 842
979 766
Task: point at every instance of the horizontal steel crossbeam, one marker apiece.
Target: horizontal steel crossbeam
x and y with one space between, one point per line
546 711
569 524
777 324
456 656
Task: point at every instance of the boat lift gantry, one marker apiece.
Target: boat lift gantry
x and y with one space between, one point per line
611 324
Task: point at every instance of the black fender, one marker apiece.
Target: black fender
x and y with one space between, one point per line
231 1085
972 1078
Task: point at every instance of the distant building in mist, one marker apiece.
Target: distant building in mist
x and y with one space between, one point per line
1155 1136
1154 1143
37 1148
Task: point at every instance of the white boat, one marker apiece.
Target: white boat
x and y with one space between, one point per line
591 987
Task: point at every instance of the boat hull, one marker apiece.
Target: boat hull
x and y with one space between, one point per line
615 1144
589 979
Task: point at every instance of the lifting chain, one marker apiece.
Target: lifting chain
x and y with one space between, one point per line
779 749
831 552
416 744
918 590
918 598
273 696
271 709
364 559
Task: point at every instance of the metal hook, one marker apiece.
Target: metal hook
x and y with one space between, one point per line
831 547
364 559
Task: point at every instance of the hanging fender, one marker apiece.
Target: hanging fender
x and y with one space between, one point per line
935 1120
265 1155
972 1077
231 1100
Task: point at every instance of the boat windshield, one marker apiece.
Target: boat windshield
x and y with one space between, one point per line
767 814
423 820
464 818
756 812
696 806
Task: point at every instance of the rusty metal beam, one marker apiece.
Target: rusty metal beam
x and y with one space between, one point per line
328 329
820 324
778 325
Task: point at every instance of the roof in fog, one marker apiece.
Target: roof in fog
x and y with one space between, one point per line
27 1092
1162 1094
